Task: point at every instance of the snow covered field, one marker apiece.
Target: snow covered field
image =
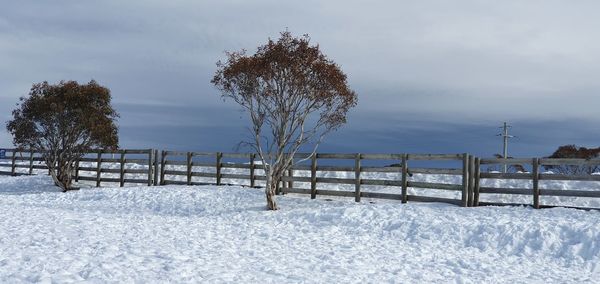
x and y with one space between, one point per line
223 234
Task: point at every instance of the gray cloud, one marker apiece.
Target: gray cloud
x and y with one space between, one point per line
470 62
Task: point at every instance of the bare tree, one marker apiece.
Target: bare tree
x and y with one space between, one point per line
294 94
63 122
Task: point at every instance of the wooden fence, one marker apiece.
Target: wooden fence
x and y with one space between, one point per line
311 176
535 192
215 163
25 162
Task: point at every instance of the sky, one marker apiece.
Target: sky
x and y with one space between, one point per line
431 76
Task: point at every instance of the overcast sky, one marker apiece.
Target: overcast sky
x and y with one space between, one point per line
431 76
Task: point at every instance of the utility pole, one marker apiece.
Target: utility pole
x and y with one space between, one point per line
505 137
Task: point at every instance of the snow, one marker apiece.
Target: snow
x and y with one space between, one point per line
224 234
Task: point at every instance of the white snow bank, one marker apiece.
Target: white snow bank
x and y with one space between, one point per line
223 234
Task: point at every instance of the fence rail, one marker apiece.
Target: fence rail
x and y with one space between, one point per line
311 177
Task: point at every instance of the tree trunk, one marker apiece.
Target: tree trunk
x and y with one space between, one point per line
270 191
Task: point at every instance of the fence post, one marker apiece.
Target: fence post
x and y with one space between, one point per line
150 154
13 168
31 165
357 178
536 178
291 176
163 157
98 168
313 176
252 176
471 180
219 157
465 181
155 167
122 172
477 180
189 168
76 170
404 178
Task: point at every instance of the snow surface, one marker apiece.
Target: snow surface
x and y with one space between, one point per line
224 234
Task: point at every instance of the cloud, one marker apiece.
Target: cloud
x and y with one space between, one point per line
471 62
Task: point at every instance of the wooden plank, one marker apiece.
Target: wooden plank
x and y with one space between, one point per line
163 163
297 190
136 161
235 166
219 157
335 193
418 198
569 177
137 151
381 169
204 154
502 161
150 158
570 193
336 180
175 173
13 163
202 174
236 155
84 159
235 176
335 169
536 177
465 180
381 156
189 168
477 184
111 160
252 177
471 180
122 174
507 175
502 204
313 176
434 157
174 182
440 186
88 178
202 183
132 180
435 171
291 175
137 171
357 178
505 190
175 153
571 162
381 182
296 178
107 170
98 169
404 178
381 195
177 163
42 167
335 156
155 167
115 180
